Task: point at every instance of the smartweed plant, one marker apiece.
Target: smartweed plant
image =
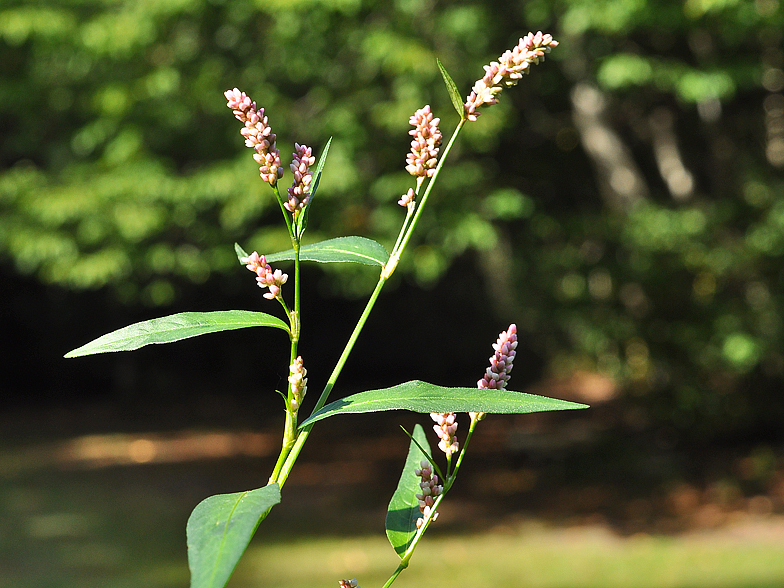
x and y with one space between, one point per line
220 527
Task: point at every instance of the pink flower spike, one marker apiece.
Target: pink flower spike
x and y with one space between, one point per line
257 133
498 374
446 429
507 71
430 490
421 161
299 193
265 277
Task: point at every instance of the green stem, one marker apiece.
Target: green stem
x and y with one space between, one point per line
394 576
290 426
406 557
305 432
398 250
409 213
451 479
408 227
286 214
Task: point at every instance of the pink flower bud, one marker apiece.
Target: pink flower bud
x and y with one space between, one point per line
407 199
446 429
299 383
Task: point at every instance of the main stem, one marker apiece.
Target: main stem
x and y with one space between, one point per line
281 474
290 426
305 431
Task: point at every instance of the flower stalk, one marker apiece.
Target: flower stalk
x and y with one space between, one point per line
424 164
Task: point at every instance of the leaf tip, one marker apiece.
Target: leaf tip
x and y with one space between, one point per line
454 93
240 252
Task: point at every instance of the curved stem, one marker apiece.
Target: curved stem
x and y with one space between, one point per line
451 479
394 576
286 214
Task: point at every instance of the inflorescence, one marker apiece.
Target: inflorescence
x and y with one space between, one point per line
300 167
508 70
446 429
299 383
431 490
497 375
421 161
265 276
258 135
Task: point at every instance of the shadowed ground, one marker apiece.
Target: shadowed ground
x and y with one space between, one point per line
543 498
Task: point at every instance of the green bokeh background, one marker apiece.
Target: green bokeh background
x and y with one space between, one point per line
624 205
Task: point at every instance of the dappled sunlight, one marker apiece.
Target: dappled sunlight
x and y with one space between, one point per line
104 450
124 449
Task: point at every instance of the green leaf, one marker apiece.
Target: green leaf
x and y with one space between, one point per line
339 250
219 530
240 253
303 218
420 396
454 93
403 510
175 327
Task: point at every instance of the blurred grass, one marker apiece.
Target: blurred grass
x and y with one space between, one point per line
123 527
532 556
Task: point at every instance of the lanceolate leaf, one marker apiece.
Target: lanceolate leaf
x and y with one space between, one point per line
420 396
454 93
403 510
175 327
219 530
339 250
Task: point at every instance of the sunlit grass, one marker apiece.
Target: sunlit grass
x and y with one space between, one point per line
535 557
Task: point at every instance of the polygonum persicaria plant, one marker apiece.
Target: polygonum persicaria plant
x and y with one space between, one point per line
221 526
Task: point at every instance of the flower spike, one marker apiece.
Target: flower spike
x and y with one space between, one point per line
299 383
299 193
421 161
446 429
497 375
258 135
265 277
508 70
431 490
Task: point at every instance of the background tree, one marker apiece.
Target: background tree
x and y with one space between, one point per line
645 245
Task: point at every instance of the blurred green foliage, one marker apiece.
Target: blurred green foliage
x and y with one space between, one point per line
624 204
